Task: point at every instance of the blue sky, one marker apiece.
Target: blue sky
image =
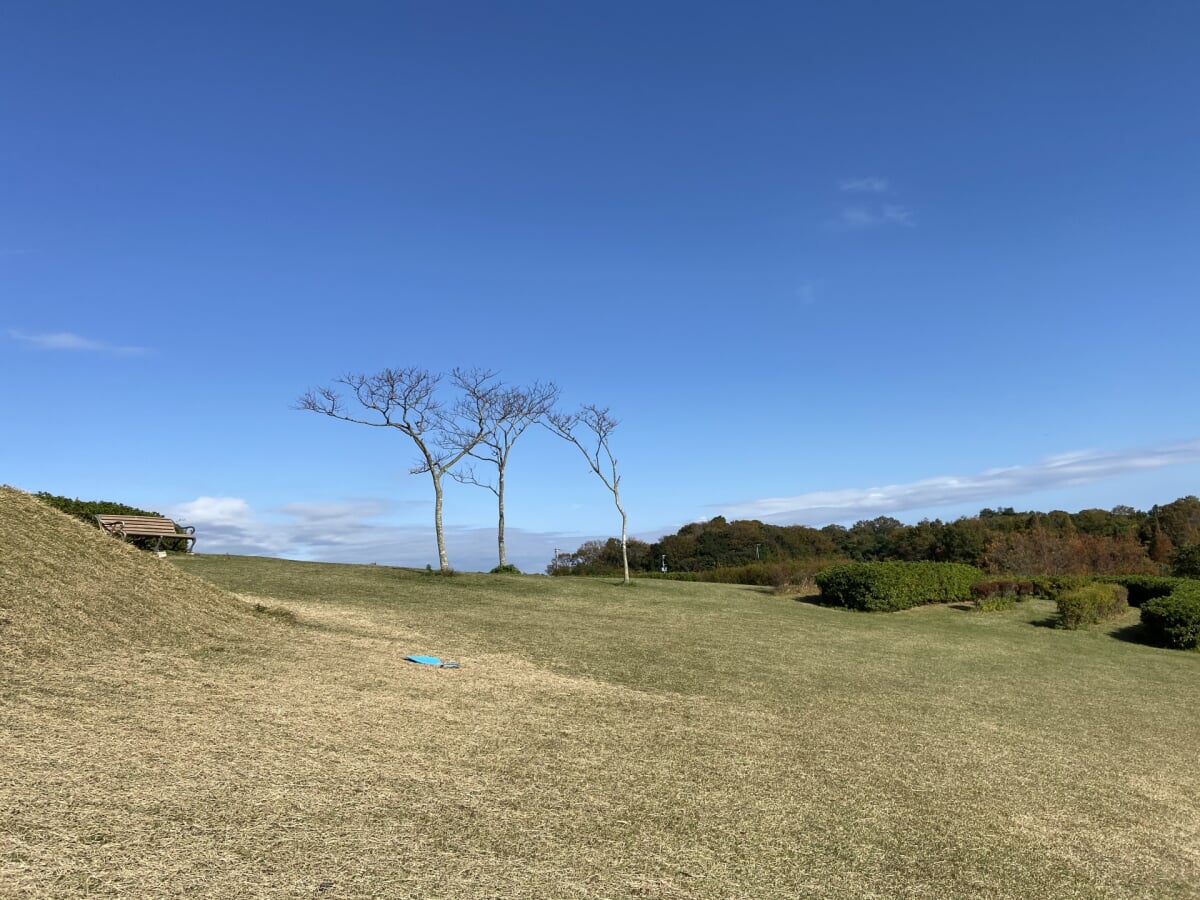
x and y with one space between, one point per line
822 261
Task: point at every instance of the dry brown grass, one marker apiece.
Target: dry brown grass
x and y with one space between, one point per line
68 589
243 755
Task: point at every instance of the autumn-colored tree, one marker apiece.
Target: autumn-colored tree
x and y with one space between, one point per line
1098 554
1160 546
1036 551
1180 520
1042 551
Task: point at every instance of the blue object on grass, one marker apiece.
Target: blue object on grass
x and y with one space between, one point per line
432 661
425 660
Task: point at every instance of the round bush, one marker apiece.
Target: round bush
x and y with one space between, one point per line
1091 605
1174 620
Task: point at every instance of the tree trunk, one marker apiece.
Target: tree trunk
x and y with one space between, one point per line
443 559
624 532
500 524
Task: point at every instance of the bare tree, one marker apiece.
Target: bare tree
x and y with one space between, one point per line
597 450
406 399
510 412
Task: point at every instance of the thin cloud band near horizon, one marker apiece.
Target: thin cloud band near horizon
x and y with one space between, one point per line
1061 470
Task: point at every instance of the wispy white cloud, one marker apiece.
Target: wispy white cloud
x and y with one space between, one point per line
357 531
867 211
856 217
852 218
897 215
65 340
848 504
223 511
871 184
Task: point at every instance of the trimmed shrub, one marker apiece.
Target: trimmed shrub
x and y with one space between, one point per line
1091 605
982 590
992 596
1051 586
890 586
1144 587
994 602
1002 594
1174 620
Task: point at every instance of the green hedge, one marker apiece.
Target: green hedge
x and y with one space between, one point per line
1143 587
890 586
1091 605
1174 620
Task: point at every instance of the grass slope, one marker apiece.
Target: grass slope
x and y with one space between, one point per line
68 589
660 740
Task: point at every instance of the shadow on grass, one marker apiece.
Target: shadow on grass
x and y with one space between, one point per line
1136 633
817 600
825 603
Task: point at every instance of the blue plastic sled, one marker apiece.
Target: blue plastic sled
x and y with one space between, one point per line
432 661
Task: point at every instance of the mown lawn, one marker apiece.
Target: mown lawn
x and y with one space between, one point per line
790 749
661 739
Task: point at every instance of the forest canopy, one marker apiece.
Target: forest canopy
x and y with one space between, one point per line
1122 540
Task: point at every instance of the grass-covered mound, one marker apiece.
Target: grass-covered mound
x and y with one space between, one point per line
67 589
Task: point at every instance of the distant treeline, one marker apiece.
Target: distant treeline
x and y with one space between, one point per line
1120 541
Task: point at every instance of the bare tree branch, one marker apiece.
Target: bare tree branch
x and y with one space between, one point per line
505 414
597 450
406 399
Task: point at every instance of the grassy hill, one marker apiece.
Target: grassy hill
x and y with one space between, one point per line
660 740
68 589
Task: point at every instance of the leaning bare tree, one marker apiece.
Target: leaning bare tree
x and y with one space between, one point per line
406 399
597 451
513 410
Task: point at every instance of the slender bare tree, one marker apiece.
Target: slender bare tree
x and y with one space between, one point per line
597 450
510 412
406 399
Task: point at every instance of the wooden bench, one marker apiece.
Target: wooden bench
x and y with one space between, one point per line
147 526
